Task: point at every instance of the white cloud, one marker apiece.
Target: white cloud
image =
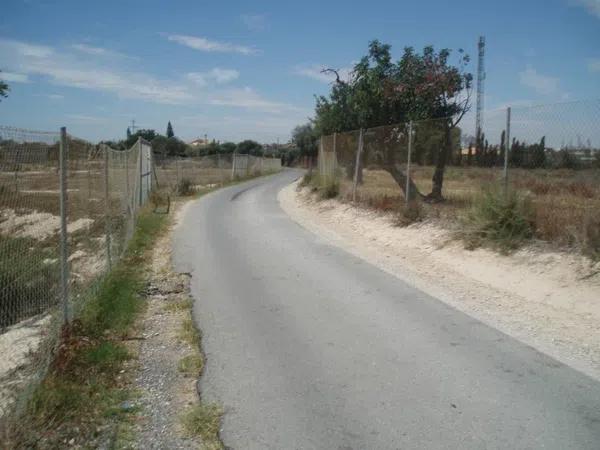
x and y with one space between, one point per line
594 64
206 45
592 6
216 75
65 69
248 98
315 71
97 51
254 22
65 66
14 77
85 119
542 84
50 96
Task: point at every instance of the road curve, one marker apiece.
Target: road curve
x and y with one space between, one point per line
309 347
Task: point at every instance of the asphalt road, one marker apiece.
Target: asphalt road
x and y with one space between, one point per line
309 347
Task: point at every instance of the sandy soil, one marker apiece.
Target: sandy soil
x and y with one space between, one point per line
37 225
547 299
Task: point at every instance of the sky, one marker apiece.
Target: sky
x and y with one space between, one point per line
235 69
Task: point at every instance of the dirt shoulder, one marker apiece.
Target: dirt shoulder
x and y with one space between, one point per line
547 299
166 385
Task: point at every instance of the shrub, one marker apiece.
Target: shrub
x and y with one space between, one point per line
307 179
498 219
331 189
185 187
411 213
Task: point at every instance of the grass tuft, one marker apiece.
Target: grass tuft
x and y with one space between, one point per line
185 187
189 333
498 220
191 365
176 306
204 421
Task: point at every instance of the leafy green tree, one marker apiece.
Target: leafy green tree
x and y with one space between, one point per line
227 148
567 160
538 154
381 92
170 132
147 135
128 133
172 146
3 89
305 139
249 147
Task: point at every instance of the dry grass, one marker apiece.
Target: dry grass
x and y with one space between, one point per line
191 365
204 421
565 203
189 333
175 306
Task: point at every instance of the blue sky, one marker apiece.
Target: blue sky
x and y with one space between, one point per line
237 70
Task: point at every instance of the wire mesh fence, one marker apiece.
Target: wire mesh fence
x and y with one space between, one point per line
67 211
549 154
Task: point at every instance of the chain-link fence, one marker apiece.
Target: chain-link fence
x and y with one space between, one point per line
62 230
549 154
211 170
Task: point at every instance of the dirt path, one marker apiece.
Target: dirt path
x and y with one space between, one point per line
546 299
165 392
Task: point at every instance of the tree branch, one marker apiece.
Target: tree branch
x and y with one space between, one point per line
334 71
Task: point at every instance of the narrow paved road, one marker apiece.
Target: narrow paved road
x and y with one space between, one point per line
309 347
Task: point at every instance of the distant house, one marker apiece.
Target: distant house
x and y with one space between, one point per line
199 143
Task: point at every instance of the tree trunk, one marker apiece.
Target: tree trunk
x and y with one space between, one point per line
400 177
438 175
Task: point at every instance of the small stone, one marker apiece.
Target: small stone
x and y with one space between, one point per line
127 405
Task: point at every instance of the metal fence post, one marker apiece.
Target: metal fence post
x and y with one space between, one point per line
357 167
320 157
233 162
408 160
107 208
140 174
128 195
506 150
64 251
334 158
